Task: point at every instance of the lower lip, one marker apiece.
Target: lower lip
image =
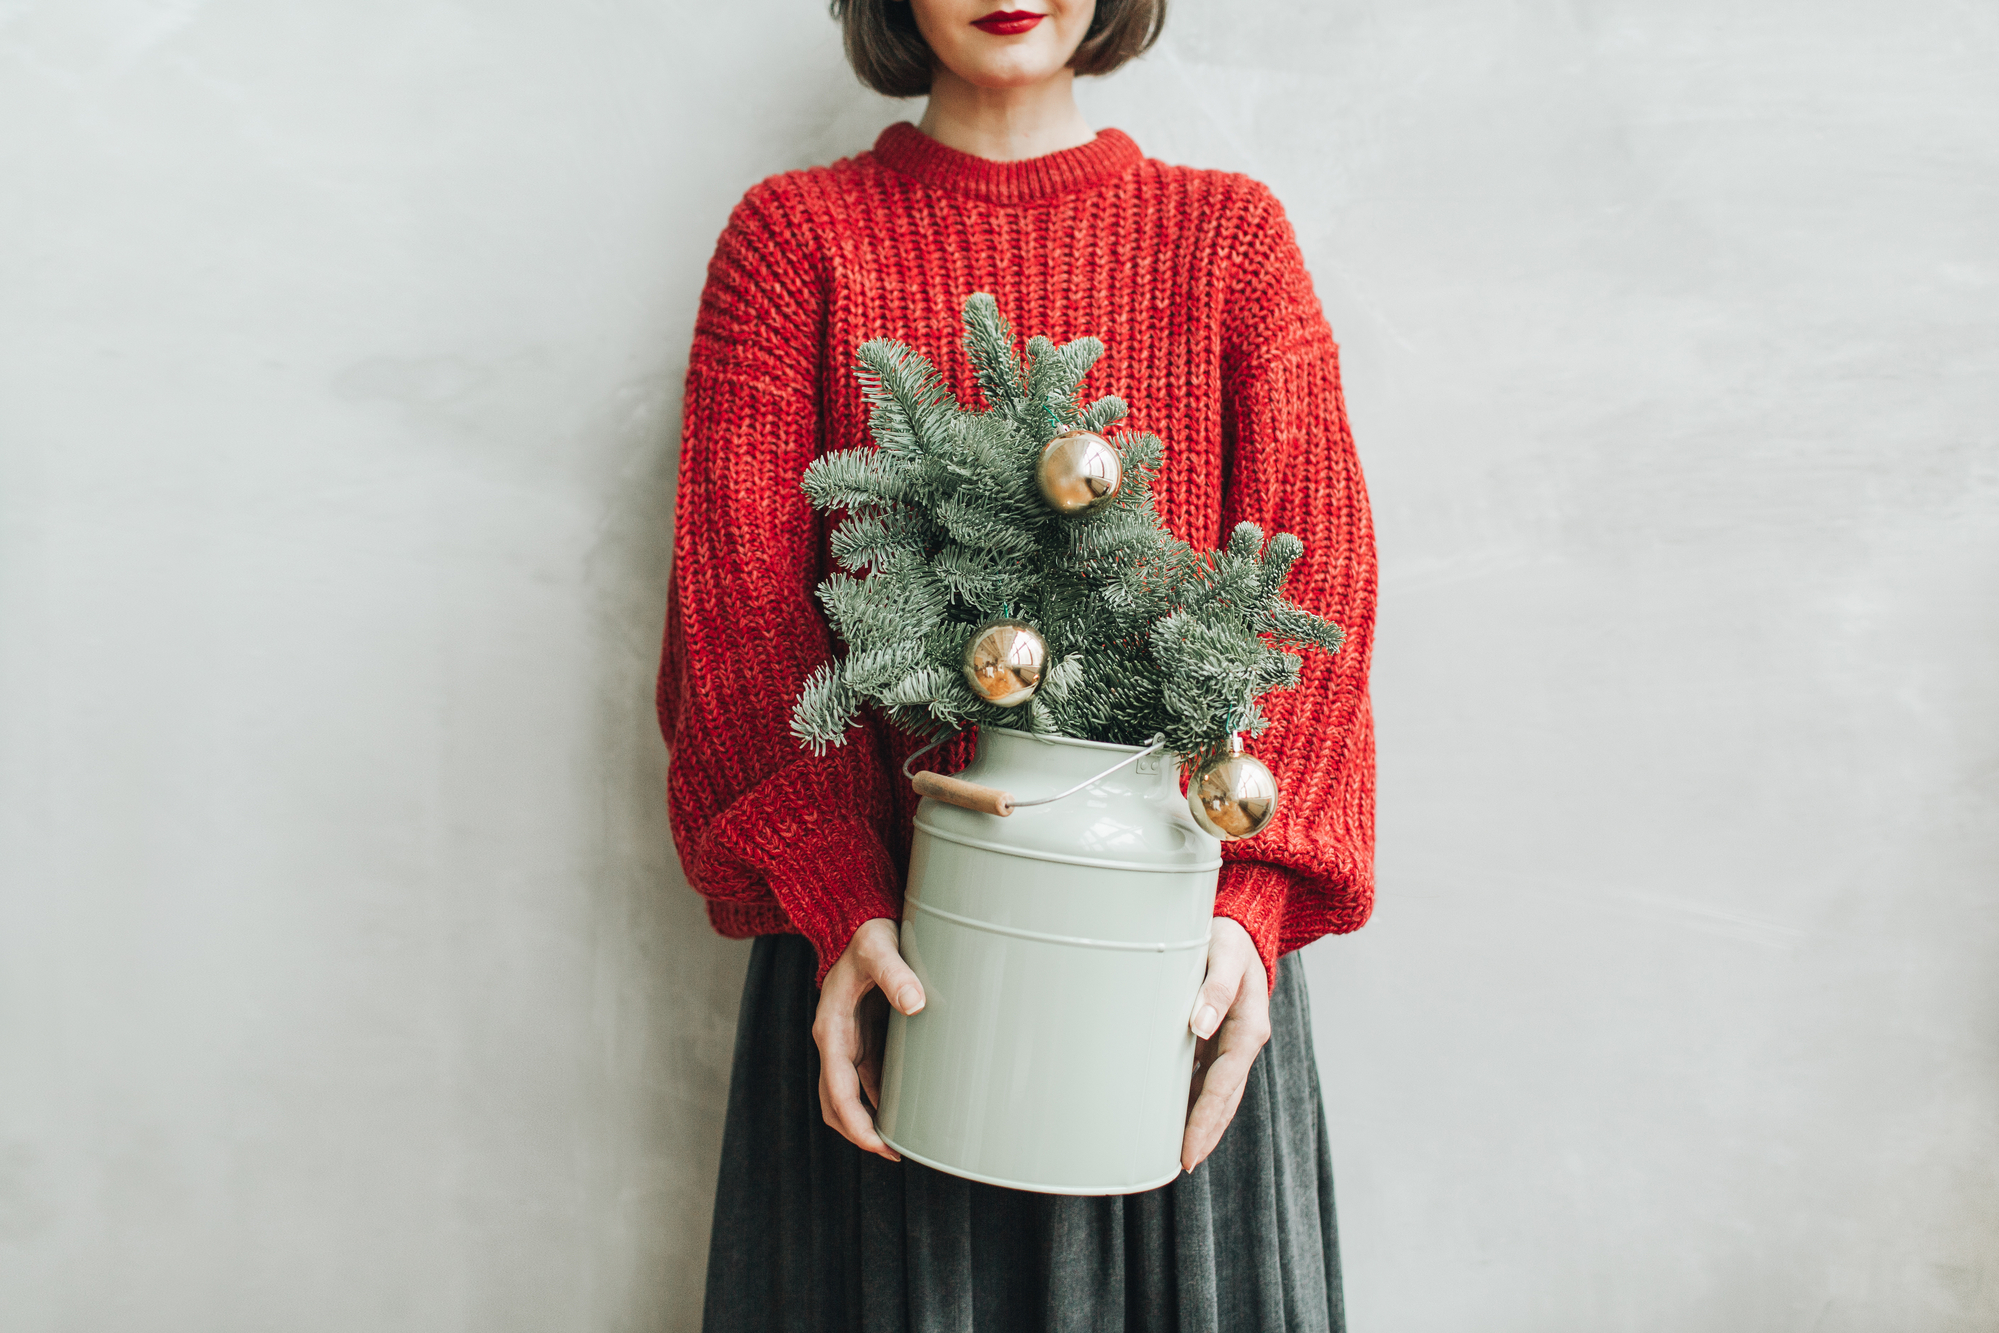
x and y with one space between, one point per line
1008 25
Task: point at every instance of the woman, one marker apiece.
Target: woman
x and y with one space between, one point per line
1195 283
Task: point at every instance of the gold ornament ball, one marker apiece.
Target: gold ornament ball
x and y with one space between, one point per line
1233 797
1078 469
1004 661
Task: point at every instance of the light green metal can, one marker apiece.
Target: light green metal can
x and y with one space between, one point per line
1060 950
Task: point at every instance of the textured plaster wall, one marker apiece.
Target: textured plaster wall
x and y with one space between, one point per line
347 980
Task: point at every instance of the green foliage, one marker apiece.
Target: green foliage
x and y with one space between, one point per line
946 530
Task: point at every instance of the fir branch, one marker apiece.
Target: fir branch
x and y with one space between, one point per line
976 525
973 577
1289 624
1062 678
1106 412
825 709
1054 374
856 479
1114 534
1279 555
875 541
1143 453
870 670
1277 671
918 687
860 610
1079 357
989 345
911 402
1245 541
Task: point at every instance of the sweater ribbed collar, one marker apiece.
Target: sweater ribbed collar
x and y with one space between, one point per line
904 148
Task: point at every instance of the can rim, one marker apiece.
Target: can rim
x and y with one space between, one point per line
1013 734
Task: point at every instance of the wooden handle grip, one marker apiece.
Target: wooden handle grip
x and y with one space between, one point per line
969 795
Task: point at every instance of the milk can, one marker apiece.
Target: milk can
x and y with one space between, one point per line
1060 948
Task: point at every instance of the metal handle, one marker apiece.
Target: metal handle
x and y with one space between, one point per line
969 795
991 800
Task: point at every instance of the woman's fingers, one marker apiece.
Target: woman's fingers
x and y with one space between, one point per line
880 956
849 1116
1218 992
870 1070
1236 1047
848 1056
1233 1009
1231 953
839 1039
874 1033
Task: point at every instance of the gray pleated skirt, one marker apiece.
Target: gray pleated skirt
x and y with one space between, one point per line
812 1235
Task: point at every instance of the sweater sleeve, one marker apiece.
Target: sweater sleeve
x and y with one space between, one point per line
751 809
1291 467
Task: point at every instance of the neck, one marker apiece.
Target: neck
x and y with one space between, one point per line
1005 124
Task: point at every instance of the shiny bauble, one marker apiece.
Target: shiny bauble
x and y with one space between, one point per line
1233 797
1004 662
1076 470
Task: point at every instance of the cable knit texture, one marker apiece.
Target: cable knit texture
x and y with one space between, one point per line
1194 282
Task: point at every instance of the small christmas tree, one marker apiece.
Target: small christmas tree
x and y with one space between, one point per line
1008 567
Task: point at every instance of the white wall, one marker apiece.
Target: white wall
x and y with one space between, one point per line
346 978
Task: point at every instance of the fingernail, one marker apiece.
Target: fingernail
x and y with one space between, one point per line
1205 1019
909 999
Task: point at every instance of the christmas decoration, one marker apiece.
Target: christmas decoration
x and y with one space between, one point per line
1233 797
1078 470
1004 661
947 533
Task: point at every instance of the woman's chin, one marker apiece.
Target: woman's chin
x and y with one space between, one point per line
1000 73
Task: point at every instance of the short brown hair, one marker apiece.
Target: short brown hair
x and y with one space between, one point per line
890 56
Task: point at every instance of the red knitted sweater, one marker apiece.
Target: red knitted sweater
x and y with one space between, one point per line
1195 284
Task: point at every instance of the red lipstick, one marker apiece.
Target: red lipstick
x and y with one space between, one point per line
1008 22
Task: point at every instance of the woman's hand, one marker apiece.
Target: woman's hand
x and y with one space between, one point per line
1232 1019
849 1030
